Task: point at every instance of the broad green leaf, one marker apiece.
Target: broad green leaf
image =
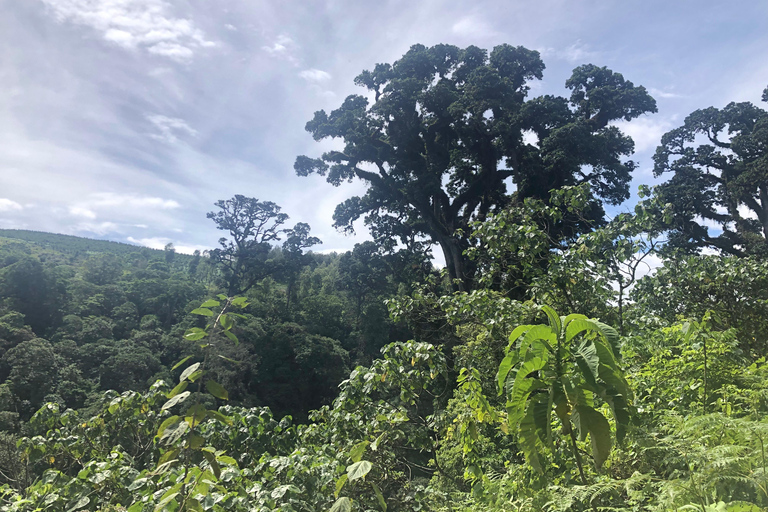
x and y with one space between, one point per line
519 331
358 470
340 484
522 387
509 361
210 304
225 322
202 312
216 390
577 327
599 432
181 362
610 335
181 386
232 338
195 415
529 439
588 361
80 503
343 504
189 371
554 319
538 333
175 400
380 497
357 451
240 301
165 424
174 433
220 417
193 336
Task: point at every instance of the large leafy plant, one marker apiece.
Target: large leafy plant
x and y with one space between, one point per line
565 370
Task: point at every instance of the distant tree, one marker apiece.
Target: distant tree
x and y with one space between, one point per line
170 253
450 127
718 160
294 258
254 226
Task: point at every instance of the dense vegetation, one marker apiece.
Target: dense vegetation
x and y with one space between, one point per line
547 369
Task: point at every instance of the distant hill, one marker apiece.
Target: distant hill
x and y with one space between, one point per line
68 243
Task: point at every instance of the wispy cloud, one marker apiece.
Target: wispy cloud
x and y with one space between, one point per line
135 24
576 53
472 27
659 93
645 131
170 128
7 205
282 47
315 75
161 242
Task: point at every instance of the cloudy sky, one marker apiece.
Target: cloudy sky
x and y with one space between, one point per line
127 119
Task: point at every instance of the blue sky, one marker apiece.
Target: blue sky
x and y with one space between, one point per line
127 119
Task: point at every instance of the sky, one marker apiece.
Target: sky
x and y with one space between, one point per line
127 120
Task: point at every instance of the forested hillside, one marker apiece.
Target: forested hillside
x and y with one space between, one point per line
563 360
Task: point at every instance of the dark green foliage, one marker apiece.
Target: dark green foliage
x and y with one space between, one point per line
722 181
446 131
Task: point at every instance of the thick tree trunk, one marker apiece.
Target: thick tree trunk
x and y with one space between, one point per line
456 264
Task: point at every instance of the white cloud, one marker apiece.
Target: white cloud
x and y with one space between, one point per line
170 127
577 53
281 46
80 211
315 75
659 93
645 131
472 27
7 205
161 242
135 24
109 199
746 212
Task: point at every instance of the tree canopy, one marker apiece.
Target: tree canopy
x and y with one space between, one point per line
718 160
450 128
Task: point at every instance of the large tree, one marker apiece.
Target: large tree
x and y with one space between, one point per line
449 127
254 226
718 160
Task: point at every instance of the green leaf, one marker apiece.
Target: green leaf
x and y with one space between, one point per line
340 484
220 417
80 503
227 358
357 451
509 361
181 386
240 301
210 304
174 433
380 497
599 432
554 319
193 336
165 424
195 415
342 505
519 331
225 322
181 362
202 312
216 390
231 338
175 400
588 361
189 371
358 470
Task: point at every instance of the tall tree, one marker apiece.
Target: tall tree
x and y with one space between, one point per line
719 165
450 127
254 225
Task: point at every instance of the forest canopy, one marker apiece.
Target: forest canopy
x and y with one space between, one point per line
564 360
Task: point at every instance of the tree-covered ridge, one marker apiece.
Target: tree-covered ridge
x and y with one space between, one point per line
566 375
